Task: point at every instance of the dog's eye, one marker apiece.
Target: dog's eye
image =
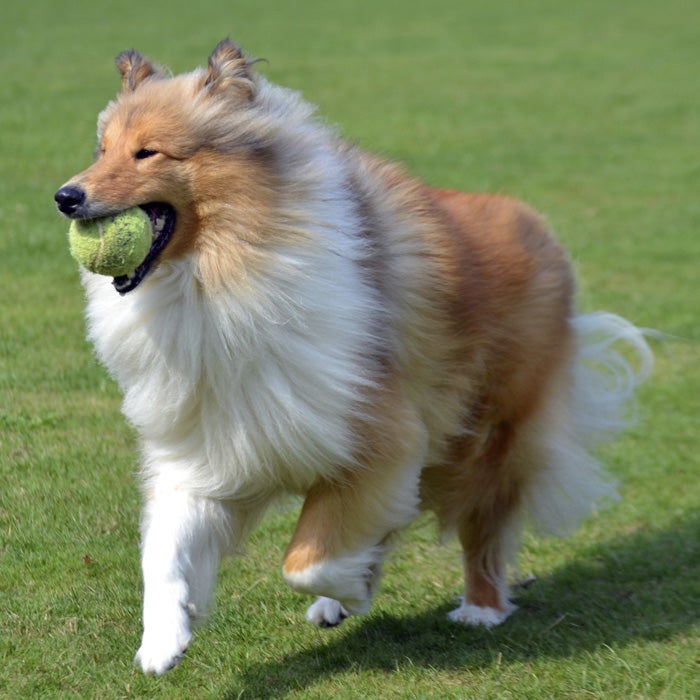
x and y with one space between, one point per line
144 153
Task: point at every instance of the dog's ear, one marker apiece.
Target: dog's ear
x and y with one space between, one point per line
134 69
229 70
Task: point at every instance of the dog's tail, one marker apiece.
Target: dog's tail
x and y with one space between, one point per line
612 358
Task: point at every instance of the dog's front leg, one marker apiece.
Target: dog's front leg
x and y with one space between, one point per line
346 526
184 537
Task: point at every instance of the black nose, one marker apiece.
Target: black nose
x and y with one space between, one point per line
69 199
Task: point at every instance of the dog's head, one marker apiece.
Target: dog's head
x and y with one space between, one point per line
173 146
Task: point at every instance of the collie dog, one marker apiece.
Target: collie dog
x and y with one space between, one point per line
312 320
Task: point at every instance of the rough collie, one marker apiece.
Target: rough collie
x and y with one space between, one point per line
312 320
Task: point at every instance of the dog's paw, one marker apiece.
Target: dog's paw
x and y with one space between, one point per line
475 616
159 654
326 612
166 637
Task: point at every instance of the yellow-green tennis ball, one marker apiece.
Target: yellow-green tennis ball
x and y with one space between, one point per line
114 245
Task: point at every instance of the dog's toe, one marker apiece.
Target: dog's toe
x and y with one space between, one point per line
326 612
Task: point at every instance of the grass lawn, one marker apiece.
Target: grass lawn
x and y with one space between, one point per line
589 111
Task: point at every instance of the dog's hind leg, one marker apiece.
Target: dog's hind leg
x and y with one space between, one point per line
346 526
184 538
480 492
488 526
537 467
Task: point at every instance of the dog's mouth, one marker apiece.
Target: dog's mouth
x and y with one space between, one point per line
162 218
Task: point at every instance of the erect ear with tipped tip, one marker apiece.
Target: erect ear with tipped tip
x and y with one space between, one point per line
229 70
134 69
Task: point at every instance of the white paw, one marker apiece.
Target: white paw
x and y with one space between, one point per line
162 651
326 612
167 634
474 615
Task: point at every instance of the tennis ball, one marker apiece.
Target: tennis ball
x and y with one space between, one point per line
113 245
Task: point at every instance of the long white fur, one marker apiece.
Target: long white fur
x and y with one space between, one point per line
588 409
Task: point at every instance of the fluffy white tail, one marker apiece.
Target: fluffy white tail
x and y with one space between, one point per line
612 358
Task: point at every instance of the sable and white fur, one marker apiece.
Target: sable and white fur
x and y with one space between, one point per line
323 324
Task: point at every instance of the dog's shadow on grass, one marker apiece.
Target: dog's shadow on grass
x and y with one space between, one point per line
637 588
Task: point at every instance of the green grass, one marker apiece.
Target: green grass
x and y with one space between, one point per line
591 112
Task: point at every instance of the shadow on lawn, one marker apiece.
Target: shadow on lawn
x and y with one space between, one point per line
640 587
